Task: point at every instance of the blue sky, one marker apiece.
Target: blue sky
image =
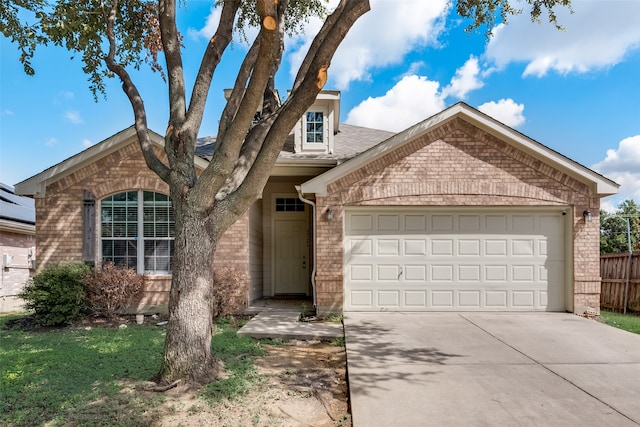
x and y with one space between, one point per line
576 91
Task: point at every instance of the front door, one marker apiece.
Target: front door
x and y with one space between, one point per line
291 257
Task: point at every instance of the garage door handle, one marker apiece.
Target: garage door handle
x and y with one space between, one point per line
400 274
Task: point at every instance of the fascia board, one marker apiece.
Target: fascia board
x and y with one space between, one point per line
17 227
601 185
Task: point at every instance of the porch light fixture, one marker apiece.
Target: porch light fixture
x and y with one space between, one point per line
329 214
586 215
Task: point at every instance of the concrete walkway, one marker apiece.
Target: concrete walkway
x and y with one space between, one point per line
279 320
453 369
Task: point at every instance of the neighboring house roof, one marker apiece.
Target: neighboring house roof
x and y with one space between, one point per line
17 213
600 185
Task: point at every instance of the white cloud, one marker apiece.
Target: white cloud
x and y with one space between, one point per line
623 166
506 111
381 37
211 25
73 117
598 35
411 100
414 98
465 80
86 143
51 142
6 112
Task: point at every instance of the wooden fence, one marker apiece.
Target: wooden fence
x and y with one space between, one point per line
617 270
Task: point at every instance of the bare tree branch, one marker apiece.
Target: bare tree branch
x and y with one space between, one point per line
210 60
173 58
130 89
228 147
308 86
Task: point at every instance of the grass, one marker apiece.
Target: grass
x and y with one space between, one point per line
627 322
88 377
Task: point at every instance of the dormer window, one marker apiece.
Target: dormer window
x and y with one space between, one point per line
315 127
315 130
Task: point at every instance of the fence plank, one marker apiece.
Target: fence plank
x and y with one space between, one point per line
613 270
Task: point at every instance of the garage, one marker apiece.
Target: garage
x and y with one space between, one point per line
467 259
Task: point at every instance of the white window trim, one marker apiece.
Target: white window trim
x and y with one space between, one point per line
139 239
315 146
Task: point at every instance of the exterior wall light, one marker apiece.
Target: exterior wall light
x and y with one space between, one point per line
329 214
586 215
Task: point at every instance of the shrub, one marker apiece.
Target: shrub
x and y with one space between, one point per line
229 291
111 289
56 294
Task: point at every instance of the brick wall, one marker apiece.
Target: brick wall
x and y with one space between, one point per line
456 164
59 228
14 277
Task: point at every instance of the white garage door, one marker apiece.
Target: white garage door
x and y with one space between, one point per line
410 260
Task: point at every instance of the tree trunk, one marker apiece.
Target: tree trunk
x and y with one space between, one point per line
187 351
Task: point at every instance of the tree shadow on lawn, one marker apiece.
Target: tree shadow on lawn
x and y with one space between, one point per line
75 376
376 358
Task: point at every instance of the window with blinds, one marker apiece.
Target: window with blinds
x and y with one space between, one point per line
137 231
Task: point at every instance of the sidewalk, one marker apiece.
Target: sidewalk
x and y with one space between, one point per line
279 320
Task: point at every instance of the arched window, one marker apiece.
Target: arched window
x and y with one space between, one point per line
137 230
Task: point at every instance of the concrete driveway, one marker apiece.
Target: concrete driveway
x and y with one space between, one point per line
464 369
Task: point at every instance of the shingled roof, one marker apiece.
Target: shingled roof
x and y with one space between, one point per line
349 142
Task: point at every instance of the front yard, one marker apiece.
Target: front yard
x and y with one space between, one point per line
96 376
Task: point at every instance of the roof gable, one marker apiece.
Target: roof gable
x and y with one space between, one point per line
37 184
600 185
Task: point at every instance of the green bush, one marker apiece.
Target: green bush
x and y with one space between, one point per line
56 294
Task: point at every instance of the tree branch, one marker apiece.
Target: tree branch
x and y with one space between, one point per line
173 57
307 87
228 147
130 89
210 60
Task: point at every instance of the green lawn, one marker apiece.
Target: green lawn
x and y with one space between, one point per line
627 322
88 377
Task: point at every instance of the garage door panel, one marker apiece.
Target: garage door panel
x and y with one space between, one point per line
361 299
389 299
441 247
415 273
469 299
415 299
415 247
387 247
388 273
442 299
469 273
415 222
360 247
469 247
388 222
361 272
418 261
496 299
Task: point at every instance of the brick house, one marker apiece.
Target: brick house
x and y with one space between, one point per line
17 246
458 212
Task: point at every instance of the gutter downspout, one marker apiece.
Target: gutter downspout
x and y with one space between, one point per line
313 239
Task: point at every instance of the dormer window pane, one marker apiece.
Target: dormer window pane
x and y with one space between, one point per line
315 125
